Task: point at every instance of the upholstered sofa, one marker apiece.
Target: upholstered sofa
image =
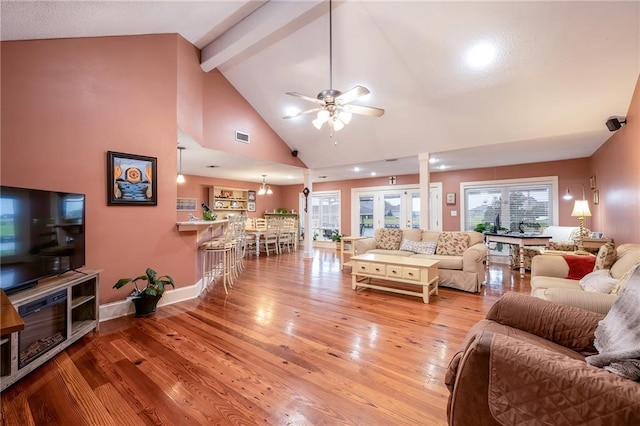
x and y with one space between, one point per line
549 279
526 364
461 255
562 238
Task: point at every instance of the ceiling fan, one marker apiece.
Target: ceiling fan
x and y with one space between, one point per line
335 107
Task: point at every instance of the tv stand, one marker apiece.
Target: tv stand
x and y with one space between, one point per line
74 317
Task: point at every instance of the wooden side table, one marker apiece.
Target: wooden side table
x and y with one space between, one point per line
595 243
350 251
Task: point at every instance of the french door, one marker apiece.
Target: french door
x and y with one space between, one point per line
387 208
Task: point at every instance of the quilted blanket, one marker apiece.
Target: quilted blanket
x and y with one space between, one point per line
617 337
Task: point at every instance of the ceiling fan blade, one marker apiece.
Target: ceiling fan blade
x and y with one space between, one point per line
364 110
352 94
309 111
305 97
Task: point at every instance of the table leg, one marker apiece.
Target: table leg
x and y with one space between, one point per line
521 260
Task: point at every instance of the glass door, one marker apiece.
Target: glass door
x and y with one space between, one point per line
385 209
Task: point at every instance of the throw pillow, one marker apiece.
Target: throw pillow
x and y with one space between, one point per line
388 239
598 281
452 244
426 247
606 257
408 245
420 247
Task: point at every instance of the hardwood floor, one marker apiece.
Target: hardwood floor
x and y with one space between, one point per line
292 343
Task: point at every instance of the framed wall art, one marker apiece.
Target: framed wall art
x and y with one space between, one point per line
131 180
251 207
592 182
251 196
451 197
596 197
187 204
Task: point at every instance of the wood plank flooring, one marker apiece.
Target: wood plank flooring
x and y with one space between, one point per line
292 343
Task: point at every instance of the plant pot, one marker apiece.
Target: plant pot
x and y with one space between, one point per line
145 305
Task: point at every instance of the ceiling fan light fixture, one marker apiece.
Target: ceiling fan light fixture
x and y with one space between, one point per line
337 124
345 116
323 115
317 123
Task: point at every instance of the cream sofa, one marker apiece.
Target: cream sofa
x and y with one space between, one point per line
549 280
465 272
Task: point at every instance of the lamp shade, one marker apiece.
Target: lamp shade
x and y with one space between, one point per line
581 209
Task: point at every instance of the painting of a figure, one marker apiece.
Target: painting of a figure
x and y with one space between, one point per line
131 179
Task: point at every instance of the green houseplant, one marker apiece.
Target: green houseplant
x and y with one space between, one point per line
146 299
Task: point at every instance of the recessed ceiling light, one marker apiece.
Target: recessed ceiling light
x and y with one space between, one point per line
356 169
442 167
289 177
481 55
373 173
433 160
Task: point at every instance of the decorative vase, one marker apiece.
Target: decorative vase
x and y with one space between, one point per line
146 305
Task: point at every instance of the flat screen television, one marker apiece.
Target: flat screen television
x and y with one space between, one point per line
42 234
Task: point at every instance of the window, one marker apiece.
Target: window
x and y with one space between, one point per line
526 203
325 214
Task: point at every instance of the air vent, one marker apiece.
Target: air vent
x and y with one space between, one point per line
242 137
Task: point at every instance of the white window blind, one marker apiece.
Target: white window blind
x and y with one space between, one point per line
529 204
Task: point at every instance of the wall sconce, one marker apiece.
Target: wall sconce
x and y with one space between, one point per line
264 188
180 178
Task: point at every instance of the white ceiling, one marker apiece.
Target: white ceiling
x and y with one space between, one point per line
561 69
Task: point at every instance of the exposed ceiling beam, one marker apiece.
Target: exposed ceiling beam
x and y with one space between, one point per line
269 23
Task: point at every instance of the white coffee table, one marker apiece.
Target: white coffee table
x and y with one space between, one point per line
399 269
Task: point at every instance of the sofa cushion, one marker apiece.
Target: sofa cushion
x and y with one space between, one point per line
444 262
422 247
628 255
388 239
475 238
391 252
617 289
452 243
430 235
412 234
606 257
598 281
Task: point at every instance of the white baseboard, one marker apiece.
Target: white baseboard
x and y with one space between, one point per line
125 307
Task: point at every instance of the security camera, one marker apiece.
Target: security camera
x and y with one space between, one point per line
614 123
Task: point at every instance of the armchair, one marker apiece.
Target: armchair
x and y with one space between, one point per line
525 364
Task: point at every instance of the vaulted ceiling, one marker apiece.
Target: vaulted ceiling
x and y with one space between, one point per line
553 74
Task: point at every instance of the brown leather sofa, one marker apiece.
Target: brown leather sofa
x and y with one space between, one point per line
524 365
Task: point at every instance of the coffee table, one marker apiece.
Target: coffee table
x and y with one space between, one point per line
399 269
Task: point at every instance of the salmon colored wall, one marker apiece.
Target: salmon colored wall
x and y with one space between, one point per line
190 90
616 166
226 111
198 187
569 172
64 104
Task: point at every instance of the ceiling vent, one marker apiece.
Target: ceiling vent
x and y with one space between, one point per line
243 137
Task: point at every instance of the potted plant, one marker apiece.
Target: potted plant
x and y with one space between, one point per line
146 299
336 238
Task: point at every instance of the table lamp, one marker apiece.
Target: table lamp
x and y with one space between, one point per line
581 210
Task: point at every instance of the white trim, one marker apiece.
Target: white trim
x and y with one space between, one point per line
123 308
544 180
387 187
438 187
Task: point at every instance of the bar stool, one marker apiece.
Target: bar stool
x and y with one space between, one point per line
216 258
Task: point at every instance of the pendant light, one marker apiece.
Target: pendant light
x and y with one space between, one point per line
180 178
264 188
